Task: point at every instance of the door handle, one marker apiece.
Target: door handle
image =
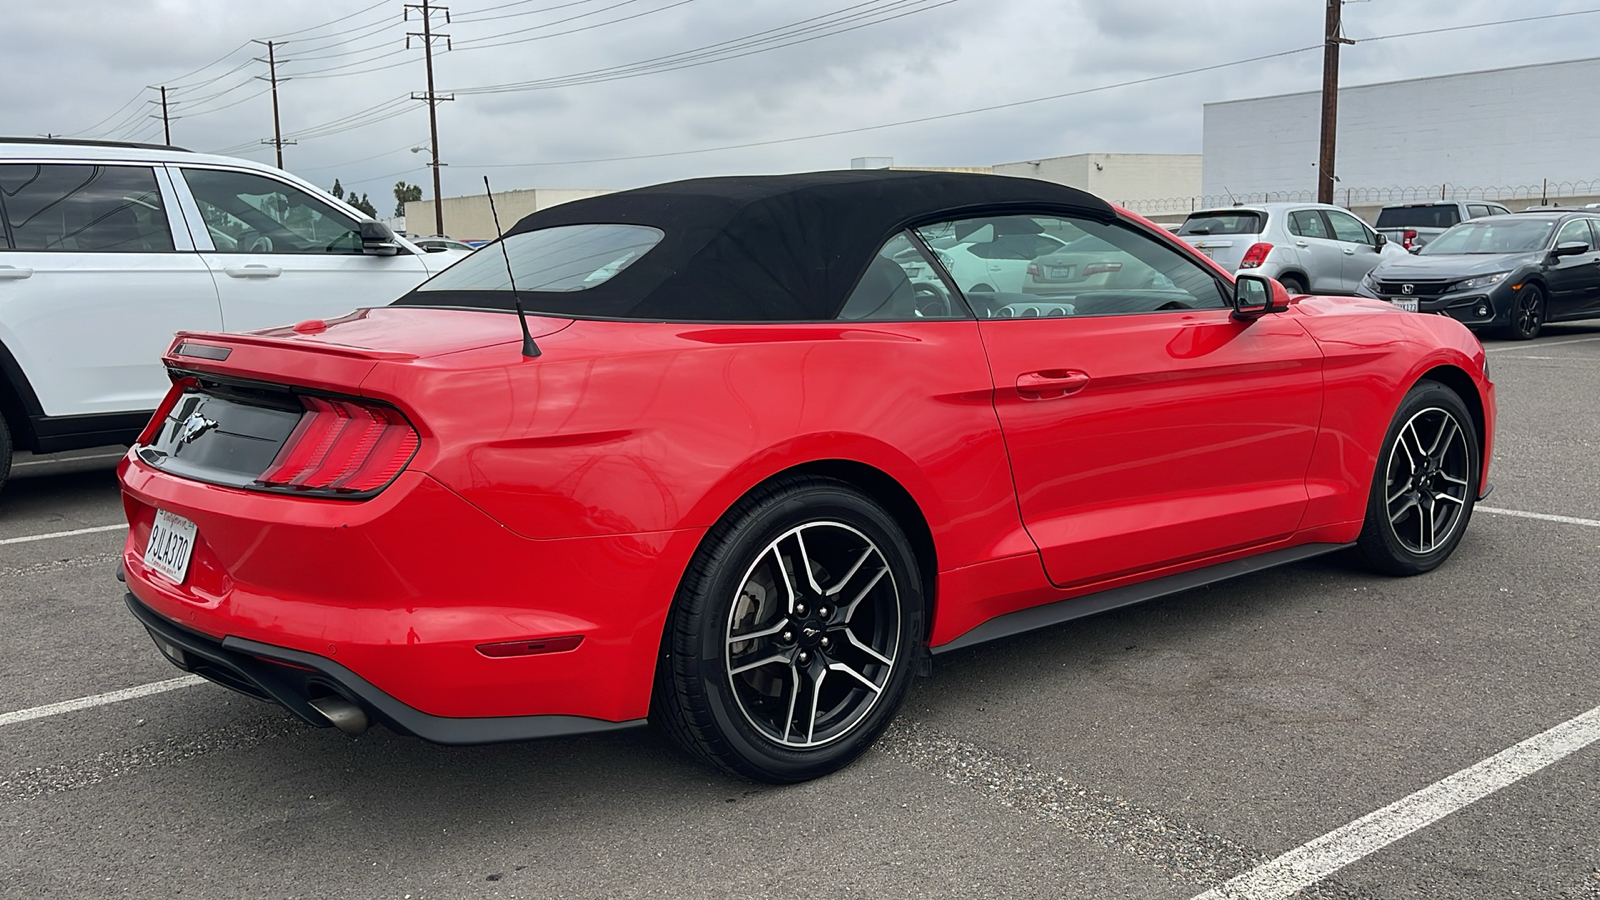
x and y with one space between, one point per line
254 270
1301 244
1349 251
1051 383
15 273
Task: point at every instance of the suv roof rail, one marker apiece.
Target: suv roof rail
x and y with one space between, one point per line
85 142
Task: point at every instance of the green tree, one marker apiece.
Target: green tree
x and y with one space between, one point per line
337 189
403 194
363 204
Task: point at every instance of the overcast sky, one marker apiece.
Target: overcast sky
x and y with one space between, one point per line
73 66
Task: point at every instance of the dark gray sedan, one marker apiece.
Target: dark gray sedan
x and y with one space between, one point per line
1512 273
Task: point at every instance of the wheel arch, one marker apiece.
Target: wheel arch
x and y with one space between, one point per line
1457 380
18 402
1295 272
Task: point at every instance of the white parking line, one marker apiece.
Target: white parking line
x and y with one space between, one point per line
29 538
1543 345
1310 863
65 459
1543 517
133 693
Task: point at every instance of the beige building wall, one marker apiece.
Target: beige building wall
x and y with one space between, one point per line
1117 177
468 218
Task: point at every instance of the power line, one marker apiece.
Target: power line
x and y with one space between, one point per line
364 9
1405 34
551 24
277 141
476 15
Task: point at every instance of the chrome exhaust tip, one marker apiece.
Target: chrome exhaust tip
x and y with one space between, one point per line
341 714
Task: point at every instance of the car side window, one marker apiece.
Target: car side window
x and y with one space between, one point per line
1575 232
249 213
1092 268
1307 223
900 285
1477 210
84 208
1347 228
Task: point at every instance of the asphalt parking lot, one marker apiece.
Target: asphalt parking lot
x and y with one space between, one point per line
1154 752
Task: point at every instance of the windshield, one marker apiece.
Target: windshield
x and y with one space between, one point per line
551 260
1224 222
1440 216
1497 234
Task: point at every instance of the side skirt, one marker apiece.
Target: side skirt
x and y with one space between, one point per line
1024 620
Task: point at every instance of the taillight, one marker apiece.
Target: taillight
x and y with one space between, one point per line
1255 256
1406 237
342 446
1100 268
179 385
1033 269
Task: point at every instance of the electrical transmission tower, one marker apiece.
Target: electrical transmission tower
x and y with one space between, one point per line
427 36
272 61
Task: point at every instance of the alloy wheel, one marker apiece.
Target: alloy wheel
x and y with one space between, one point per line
1529 311
1428 480
813 635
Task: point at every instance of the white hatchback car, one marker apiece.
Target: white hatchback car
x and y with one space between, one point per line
106 249
1312 248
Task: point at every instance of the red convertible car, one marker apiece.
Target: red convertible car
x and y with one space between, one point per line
758 457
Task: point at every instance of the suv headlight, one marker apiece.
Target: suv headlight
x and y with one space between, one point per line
1482 281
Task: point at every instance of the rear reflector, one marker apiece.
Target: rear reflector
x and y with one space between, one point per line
1255 256
342 446
532 647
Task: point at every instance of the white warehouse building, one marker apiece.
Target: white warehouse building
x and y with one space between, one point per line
1527 132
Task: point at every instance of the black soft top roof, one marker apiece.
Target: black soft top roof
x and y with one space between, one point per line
768 247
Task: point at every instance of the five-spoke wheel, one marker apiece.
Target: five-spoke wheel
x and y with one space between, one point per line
791 641
1425 485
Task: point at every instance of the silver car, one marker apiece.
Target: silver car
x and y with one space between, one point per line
1311 247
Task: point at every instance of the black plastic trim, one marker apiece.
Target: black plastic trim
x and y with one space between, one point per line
243 665
53 434
1025 620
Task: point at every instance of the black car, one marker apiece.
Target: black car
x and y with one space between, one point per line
1511 273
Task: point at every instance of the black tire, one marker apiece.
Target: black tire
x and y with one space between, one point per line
736 704
1527 313
1293 284
6 448
1426 482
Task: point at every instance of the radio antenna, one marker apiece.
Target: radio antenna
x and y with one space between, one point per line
529 348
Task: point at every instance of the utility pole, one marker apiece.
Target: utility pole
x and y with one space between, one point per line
433 99
166 121
272 75
1330 99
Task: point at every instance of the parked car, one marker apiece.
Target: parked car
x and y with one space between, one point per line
732 474
1310 247
1413 225
107 249
438 243
997 256
1510 273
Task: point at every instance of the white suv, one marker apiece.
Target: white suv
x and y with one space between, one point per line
106 249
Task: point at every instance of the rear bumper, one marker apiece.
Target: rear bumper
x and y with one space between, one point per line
391 598
293 679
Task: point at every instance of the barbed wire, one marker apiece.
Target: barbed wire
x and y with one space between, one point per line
1544 191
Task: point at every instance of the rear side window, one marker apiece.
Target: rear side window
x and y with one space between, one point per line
1224 222
83 208
563 259
1430 216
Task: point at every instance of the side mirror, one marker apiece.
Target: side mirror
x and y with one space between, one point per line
1256 295
377 239
1379 240
1570 248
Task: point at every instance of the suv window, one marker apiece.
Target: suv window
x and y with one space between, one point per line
1104 269
99 209
900 284
247 213
1477 210
1307 223
1432 215
1224 222
1347 228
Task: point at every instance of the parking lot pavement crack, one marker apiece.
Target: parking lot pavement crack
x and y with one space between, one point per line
91 561
1189 853
39 781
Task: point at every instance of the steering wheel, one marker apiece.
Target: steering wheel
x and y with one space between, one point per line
933 301
260 244
1172 305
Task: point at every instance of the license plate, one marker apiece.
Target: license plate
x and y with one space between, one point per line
1060 271
1407 305
171 545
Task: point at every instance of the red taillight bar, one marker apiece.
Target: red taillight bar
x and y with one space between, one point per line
342 446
